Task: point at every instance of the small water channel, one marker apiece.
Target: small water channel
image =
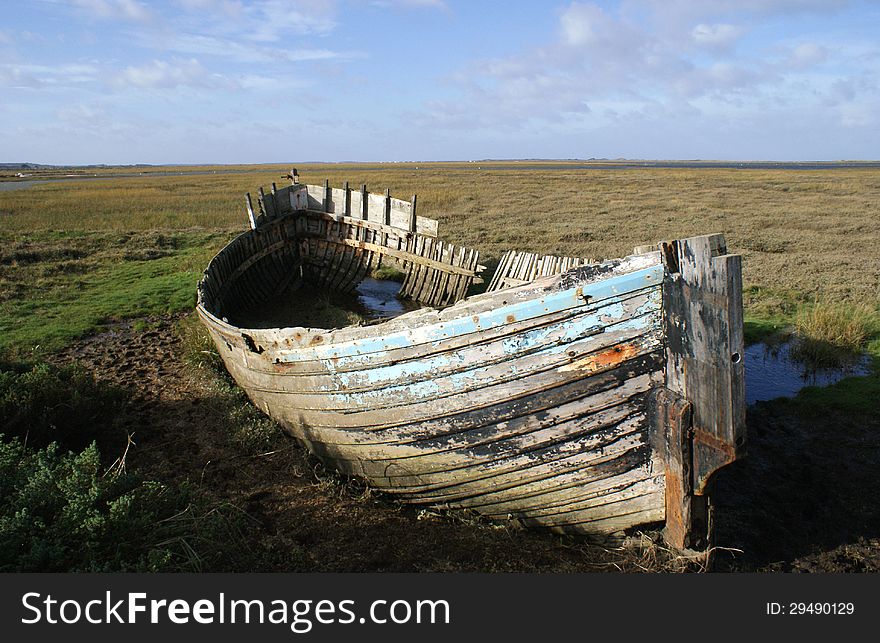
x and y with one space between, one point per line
771 372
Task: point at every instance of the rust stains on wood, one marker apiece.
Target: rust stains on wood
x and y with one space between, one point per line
606 359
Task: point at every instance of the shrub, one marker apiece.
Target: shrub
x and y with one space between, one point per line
43 403
58 513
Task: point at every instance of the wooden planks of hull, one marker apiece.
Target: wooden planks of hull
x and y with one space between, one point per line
534 402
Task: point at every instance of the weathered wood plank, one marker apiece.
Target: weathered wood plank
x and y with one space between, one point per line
703 302
250 211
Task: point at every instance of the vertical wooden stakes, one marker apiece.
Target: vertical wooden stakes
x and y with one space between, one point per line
365 204
412 214
250 211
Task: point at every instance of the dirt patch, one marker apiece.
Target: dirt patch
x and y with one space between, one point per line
803 500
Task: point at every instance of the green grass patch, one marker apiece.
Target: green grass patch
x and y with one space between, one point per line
824 335
769 313
44 305
388 273
853 395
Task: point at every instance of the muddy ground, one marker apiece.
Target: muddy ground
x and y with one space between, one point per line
804 499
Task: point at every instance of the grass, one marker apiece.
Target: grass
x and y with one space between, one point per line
829 333
853 396
810 232
803 234
388 273
79 255
58 286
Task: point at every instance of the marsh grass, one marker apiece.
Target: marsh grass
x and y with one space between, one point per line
803 234
811 232
829 333
76 255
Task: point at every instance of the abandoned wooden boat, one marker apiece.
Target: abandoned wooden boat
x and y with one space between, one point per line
585 397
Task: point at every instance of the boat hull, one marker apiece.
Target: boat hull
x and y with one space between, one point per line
535 404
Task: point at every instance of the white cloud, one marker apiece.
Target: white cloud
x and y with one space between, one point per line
720 36
160 74
587 25
411 4
258 21
177 73
228 7
859 115
46 76
116 10
612 65
806 55
205 45
79 114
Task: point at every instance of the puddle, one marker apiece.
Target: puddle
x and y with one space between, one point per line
772 373
378 299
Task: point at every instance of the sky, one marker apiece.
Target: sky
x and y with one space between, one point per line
285 81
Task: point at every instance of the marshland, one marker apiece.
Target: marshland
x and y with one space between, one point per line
127 446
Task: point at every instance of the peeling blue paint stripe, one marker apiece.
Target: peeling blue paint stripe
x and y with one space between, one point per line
473 378
511 347
443 331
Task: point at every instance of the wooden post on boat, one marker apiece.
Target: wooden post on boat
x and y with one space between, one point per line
250 211
701 411
327 196
412 214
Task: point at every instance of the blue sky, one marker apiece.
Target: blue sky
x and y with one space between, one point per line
232 81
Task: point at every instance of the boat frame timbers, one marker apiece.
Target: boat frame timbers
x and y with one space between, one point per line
586 397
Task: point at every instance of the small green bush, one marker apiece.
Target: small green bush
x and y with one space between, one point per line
58 513
44 403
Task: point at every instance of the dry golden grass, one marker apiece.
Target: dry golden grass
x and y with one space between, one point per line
804 231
